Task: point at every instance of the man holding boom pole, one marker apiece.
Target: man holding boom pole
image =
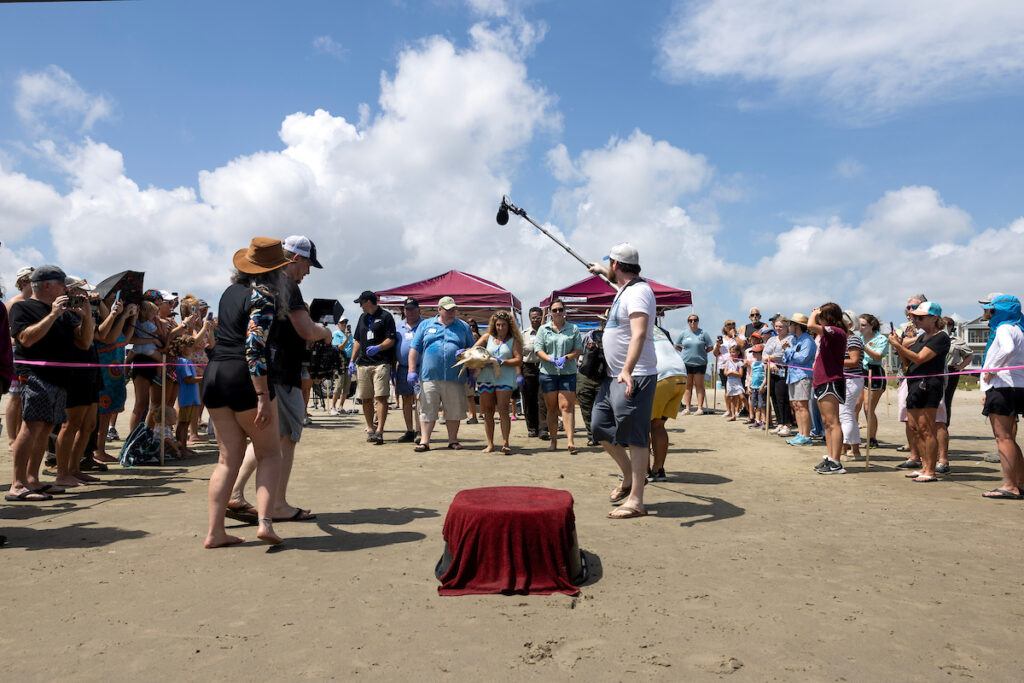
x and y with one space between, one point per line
622 411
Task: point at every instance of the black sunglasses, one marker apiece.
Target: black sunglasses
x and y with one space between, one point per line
693 320
558 310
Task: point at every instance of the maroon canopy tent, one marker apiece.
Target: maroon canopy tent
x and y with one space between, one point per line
588 298
477 298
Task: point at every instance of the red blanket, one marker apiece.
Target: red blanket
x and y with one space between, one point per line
510 539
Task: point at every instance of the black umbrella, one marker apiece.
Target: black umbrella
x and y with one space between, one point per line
332 308
128 282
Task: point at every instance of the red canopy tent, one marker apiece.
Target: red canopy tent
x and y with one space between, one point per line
588 298
476 297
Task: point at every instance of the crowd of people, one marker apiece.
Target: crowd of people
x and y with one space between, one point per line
816 375
807 378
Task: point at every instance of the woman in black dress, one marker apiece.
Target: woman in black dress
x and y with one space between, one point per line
235 388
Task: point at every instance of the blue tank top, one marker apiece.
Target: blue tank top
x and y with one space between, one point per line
505 375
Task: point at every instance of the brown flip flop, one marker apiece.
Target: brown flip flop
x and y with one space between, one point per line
626 512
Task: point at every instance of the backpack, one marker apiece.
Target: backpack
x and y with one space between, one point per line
142 447
592 363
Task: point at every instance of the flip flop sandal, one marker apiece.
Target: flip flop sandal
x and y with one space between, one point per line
27 496
300 515
911 475
909 464
903 449
628 513
506 450
421 448
924 480
573 450
50 488
246 514
1002 494
455 446
622 494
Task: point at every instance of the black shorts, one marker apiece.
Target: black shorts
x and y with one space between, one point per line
42 401
924 392
147 371
835 389
1004 401
84 388
227 384
697 369
877 378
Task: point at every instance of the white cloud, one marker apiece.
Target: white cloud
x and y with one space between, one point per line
327 45
409 192
24 204
632 189
52 99
865 58
849 168
910 241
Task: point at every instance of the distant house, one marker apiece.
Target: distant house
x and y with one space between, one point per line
975 333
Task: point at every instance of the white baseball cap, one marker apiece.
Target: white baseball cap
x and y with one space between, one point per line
301 246
988 299
624 253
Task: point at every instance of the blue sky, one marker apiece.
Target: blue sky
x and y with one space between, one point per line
781 143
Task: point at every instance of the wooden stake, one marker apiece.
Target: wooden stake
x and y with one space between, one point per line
163 404
714 382
867 409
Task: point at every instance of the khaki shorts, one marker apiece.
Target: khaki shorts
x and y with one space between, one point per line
451 395
373 381
668 396
186 413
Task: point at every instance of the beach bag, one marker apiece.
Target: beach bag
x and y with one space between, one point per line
592 363
140 448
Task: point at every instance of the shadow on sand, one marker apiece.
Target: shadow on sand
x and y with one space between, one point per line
709 509
81 535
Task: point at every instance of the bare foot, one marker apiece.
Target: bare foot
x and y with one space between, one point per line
267 535
85 478
68 482
104 457
221 541
488 449
554 446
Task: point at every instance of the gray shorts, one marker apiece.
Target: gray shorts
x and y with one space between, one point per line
43 402
622 420
800 390
291 411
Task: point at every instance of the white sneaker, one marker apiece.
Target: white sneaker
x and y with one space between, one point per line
784 431
332 412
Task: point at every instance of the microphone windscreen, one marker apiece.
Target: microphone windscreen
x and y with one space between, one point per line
502 216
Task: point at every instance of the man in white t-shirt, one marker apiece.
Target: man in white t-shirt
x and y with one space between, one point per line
621 417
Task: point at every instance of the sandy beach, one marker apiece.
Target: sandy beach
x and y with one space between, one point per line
750 566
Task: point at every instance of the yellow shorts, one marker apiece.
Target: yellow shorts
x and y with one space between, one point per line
668 397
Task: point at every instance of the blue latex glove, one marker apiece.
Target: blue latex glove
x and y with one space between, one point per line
412 377
460 352
372 351
560 362
519 380
352 368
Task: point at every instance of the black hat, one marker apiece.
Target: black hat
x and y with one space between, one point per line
366 296
411 303
44 273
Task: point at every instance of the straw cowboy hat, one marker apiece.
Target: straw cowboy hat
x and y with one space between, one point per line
261 256
799 318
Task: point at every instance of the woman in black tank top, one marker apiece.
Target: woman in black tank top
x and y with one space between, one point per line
236 390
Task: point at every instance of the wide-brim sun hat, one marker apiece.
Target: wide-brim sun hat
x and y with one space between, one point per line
263 255
799 318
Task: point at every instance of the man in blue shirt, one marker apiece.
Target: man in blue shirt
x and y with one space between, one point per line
406 392
432 357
